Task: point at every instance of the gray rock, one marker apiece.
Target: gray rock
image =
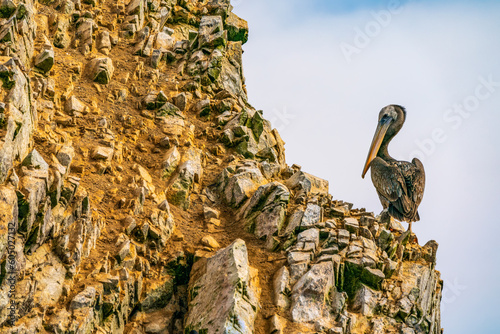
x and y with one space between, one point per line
310 293
331 224
61 37
367 221
223 298
41 226
130 224
35 161
135 7
301 181
422 278
330 250
312 215
8 216
378 326
373 277
248 146
65 155
164 42
164 206
339 300
123 251
296 257
188 173
336 330
149 101
237 184
365 301
389 267
385 238
297 270
407 331
104 42
159 297
84 33
73 105
231 75
354 251
83 320
352 225
33 191
343 238
219 7
161 98
365 232
237 28
84 299
265 212
50 278
101 70
180 101
394 225
156 56
140 39
269 170
77 241
170 162
45 60
102 153
308 240
430 251
211 32
209 212
405 306
167 109
293 222
281 288
202 107
252 135
368 244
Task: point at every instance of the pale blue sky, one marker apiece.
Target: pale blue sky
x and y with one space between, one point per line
322 70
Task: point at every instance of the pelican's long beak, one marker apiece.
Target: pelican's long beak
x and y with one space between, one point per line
382 127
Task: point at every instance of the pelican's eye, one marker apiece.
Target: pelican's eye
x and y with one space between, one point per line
385 119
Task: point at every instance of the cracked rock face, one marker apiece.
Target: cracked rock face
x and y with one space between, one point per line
223 292
140 191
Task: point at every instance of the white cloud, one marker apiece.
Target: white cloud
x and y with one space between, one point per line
428 58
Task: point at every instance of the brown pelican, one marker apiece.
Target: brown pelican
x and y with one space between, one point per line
400 184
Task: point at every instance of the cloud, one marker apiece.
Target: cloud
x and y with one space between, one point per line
429 57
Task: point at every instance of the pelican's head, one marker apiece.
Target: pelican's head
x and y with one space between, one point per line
390 120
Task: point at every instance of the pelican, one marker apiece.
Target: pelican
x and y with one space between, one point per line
399 184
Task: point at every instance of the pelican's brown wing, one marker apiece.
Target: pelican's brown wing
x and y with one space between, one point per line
418 181
400 185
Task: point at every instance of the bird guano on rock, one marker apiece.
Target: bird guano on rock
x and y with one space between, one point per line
399 184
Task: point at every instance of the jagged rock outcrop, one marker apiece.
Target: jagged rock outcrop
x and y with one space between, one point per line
140 191
18 115
223 293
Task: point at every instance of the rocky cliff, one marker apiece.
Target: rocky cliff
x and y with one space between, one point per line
140 192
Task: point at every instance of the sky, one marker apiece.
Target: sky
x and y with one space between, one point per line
322 70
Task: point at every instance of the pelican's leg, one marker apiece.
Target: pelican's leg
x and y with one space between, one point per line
409 227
